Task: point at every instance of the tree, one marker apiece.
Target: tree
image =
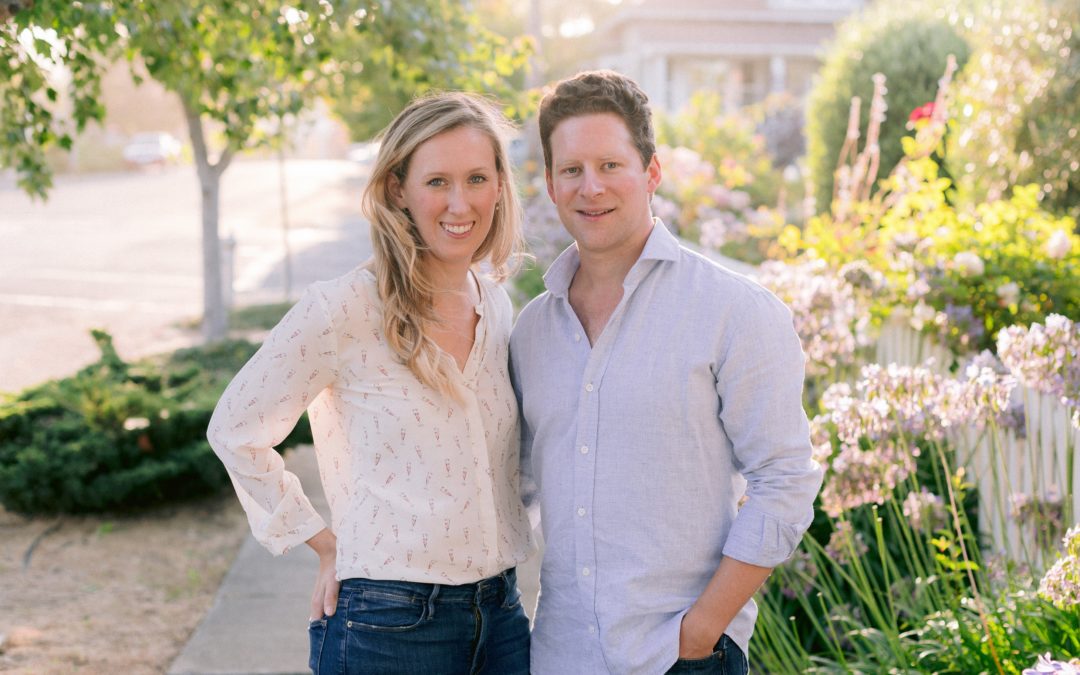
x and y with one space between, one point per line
232 64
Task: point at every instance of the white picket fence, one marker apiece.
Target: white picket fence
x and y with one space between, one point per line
1036 464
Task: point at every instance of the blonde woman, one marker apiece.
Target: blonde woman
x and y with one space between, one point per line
402 367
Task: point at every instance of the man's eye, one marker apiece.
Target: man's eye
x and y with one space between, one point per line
571 171
611 165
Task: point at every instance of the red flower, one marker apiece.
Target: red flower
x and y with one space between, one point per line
923 112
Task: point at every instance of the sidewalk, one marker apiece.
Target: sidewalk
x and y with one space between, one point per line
258 622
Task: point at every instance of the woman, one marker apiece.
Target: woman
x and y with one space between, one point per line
402 366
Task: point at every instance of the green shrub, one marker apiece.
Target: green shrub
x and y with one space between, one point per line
731 144
1017 108
906 43
119 435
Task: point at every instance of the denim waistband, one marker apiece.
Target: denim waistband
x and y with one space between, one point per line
491 588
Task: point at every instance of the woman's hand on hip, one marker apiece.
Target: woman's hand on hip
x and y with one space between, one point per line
324 597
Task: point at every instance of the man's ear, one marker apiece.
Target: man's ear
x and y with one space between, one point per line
395 190
653 169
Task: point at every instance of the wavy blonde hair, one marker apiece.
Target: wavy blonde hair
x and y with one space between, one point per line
405 288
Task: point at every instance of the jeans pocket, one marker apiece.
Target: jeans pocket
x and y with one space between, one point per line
316 638
386 612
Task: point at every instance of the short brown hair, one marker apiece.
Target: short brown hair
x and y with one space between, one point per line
599 91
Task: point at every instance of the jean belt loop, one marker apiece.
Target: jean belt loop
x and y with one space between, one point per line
431 601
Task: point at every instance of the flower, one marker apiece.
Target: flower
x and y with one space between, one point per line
1009 293
969 264
925 510
1061 583
1058 245
1046 664
923 112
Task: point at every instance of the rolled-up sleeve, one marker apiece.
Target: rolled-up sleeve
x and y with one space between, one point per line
760 384
260 407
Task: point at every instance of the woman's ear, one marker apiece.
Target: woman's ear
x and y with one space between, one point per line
395 190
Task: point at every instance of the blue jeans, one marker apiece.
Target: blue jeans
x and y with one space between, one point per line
404 627
726 659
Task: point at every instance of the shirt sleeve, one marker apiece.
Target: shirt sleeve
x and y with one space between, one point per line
760 383
258 410
530 494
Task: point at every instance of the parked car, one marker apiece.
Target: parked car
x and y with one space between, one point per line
155 148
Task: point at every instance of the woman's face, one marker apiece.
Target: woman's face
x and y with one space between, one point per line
451 190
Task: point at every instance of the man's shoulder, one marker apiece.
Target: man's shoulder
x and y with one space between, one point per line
712 281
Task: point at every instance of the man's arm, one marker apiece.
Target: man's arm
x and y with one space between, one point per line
734 583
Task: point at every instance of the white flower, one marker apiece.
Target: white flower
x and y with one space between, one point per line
968 264
922 314
1009 293
1058 245
136 423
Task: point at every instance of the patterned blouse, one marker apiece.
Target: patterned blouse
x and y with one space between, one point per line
420 487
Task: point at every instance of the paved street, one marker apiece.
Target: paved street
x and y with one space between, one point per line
121 251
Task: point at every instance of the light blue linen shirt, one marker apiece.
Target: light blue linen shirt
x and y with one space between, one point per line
641 446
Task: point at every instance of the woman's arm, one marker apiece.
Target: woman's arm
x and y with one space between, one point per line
258 410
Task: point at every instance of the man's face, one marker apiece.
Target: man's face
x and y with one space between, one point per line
599 186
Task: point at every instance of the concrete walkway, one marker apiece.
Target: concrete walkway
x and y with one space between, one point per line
258 622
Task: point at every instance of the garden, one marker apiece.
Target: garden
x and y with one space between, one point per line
923 232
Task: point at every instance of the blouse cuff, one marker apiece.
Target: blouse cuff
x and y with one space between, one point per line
281 543
758 538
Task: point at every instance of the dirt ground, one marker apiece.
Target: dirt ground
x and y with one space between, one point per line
111 594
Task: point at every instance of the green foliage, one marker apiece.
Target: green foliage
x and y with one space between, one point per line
909 45
118 435
730 143
961 273
238 64
416 47
258 317
1018 103
30 120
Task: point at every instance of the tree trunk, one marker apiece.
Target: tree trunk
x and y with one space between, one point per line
215 321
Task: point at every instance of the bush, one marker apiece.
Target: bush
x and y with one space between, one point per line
118 436
728 143
961 273
910 47
1018 103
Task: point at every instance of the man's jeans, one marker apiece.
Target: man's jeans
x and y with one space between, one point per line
402 627
726 659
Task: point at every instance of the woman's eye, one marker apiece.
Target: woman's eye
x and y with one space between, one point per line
437 182
477 179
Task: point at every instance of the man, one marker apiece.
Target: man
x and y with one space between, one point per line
656 389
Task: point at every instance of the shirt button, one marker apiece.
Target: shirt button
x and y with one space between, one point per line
585 572
592 629
589 387
581 511
584 449
577 337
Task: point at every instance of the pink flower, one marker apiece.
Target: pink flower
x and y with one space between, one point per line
923 112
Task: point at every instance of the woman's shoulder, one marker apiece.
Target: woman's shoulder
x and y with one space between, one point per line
494 293
354 290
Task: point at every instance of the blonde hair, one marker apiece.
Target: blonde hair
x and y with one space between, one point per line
405 288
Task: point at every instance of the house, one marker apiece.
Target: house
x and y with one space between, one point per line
745 49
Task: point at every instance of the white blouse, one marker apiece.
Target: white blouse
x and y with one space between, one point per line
420 487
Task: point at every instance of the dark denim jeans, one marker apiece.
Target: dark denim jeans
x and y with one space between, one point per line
402 627
726 659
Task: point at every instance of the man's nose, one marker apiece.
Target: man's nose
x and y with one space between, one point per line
592 185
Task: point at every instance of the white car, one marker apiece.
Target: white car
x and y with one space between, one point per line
155 148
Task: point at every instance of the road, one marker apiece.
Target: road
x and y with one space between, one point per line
122 252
